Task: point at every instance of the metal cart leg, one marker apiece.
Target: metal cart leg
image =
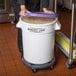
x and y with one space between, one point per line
70 59
55 7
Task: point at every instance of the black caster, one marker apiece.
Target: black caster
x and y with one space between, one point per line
34 70
69 66
51 67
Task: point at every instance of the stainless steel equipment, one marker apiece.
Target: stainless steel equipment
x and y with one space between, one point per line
6 12
67 46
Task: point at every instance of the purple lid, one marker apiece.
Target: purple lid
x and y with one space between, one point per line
42 14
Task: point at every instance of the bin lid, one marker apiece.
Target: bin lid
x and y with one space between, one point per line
39 18
42 14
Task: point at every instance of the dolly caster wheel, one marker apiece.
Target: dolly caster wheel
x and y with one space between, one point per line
34 70
69 66
52 67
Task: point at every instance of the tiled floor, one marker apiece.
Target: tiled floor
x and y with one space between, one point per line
10 58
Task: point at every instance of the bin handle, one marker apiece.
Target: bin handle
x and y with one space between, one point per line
19 23
57 25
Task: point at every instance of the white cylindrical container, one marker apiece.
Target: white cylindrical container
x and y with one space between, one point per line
38 36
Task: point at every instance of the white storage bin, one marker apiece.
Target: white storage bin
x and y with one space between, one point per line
38 39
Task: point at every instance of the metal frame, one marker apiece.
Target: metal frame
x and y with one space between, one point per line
59 44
